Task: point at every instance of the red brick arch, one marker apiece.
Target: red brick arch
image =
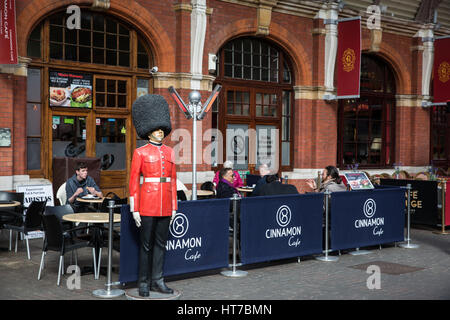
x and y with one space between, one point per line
130 12
401 72
293 47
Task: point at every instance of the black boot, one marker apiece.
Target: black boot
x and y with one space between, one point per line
160 286
144 290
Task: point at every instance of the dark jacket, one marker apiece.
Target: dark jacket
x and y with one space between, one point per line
224 190
261 182
276 187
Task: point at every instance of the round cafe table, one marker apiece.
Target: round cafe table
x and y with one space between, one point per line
95 201
94 218
10 204
200 193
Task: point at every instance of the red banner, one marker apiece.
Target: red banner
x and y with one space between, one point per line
8 43
348 58
441 70
447 204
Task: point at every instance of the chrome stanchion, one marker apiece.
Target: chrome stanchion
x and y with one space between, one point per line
109 293
408 245
326 257
442 186
234 273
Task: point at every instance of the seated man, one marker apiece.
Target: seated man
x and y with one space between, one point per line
331 181
225 188
264 172
79 185
274 187
237 182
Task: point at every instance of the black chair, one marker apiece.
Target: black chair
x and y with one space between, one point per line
32 222
11 215
61 211
61 241
181 195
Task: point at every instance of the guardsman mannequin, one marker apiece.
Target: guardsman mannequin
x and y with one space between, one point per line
155 201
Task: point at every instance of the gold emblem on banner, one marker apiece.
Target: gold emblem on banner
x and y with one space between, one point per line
444 71
348 60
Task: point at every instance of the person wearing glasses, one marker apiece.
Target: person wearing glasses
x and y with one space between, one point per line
225 187
237 182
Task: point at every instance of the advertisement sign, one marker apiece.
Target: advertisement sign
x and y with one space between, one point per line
365 218
69 89
424 200
358 181
441 70
198 239
8 42
36 193
348 61
280 227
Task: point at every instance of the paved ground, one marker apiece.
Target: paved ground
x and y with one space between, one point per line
422 273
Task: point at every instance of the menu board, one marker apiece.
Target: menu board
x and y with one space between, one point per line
69 89
358 181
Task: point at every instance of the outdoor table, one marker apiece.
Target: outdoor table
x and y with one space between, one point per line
94 218
95 201
245 190
200 193
8 204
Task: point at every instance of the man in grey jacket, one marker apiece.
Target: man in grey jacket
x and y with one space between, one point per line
79 185
331 181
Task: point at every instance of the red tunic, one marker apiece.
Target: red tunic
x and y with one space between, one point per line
157 196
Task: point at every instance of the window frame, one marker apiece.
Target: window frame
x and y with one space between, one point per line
388 118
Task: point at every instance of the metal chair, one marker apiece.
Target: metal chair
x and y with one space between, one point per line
32 222
61 241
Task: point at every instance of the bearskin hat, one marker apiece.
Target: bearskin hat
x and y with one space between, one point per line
150 112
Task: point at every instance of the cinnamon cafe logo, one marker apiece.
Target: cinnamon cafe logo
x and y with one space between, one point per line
369 209
283 218
178 229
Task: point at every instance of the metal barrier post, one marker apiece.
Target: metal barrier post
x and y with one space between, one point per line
234 273
408 245
326 257
442 185
108 293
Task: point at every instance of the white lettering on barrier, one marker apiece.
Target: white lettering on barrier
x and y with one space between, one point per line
193 257
294 243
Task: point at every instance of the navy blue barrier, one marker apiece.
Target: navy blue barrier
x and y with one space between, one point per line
279 227
365 218
198 239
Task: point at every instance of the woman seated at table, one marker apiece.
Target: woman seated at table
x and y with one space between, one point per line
331 181
237 182
225 188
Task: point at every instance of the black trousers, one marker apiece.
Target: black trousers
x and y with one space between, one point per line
153 235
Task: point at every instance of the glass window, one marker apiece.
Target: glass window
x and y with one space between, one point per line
111 145
366 130
251 60
34 119
69 136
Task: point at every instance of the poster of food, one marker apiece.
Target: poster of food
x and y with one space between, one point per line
358 181
69 89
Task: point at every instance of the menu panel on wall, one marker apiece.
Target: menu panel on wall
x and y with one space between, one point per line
69 89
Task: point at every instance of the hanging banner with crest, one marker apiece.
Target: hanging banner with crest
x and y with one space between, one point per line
441 71
348 58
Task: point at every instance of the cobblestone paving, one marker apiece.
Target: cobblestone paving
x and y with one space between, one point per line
281 280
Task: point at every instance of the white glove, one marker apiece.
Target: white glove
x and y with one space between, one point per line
137 219
174 213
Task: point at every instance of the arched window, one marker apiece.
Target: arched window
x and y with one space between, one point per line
366 125
81 86
257 95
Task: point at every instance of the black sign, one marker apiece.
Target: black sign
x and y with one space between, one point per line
424 200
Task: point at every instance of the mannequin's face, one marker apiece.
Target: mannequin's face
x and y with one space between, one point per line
157 136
